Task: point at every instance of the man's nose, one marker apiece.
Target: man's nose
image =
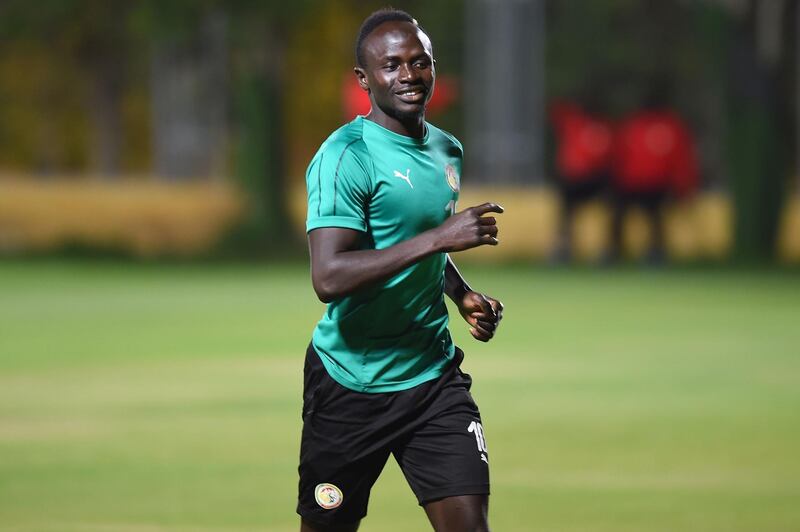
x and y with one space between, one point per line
407 73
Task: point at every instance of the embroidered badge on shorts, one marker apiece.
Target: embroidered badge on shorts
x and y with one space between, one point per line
328 496
452 177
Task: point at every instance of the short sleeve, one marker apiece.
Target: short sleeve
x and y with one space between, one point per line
337 181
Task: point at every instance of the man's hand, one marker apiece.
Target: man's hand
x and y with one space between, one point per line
469 229
340 265
482 312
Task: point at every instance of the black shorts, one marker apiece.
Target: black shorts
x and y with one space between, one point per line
433 430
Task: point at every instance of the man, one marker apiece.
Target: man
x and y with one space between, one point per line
583 157
382 374
654 160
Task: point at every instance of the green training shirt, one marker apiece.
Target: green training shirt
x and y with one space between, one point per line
392 335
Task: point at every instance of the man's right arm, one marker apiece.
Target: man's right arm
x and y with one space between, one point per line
340 267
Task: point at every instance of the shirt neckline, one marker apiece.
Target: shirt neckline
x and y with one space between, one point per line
402 139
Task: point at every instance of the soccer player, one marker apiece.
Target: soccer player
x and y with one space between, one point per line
382 373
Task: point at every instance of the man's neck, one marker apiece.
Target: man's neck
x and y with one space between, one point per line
413 127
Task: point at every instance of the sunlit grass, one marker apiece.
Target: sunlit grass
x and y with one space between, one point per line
167 398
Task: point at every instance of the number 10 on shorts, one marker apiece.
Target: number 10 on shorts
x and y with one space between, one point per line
476 428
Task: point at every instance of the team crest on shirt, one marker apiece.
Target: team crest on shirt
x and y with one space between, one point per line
328 496
452 177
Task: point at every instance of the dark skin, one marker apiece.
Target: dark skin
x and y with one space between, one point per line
399 76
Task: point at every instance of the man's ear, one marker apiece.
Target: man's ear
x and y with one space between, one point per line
362 78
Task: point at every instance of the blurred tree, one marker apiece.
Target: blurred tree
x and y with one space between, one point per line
96 31
88 36
43 123
188 73
705 90
250 75
260 33
321 49
761 98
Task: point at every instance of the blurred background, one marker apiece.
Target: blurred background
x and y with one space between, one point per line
613 130
155 301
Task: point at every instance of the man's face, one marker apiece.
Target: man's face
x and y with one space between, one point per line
398 71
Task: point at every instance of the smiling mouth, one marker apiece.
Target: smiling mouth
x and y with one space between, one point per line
411 95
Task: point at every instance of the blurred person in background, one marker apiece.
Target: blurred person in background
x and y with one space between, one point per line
654 161
583 156
382 373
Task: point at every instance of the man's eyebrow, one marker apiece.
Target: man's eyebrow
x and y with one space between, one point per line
422 55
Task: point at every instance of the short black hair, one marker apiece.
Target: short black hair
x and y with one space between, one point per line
386 14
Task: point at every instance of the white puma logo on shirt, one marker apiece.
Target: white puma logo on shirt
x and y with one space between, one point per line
406 176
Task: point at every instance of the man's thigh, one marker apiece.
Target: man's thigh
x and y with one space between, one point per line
446 455
340 458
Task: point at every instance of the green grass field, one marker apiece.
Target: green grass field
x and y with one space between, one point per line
142 398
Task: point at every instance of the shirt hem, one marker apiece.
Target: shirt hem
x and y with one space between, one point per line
388 387
336 221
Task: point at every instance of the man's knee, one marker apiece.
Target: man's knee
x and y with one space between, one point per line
464 513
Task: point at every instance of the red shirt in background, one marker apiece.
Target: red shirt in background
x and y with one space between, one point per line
655 151
584 143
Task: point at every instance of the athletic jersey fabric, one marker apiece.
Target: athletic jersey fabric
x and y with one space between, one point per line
392 335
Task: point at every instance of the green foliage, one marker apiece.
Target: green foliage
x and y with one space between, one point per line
173 20
49 58
318 59
615 48
51 52
45 127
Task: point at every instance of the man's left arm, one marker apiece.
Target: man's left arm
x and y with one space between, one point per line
483 313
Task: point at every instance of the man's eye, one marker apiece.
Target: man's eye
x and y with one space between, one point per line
422 64
390 66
